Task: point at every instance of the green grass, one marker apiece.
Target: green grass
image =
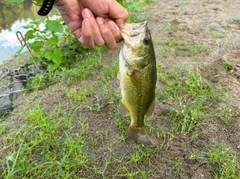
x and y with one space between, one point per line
192 95
225 112
110 71
84 64
80 94
45 146
59 142
2 128
222 161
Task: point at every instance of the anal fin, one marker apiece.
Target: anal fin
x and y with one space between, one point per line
150 109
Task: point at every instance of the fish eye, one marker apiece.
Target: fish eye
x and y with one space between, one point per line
146 40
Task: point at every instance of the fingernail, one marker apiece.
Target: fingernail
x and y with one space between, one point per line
86 13
100 20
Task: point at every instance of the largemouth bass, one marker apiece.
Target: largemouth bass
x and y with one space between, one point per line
137 73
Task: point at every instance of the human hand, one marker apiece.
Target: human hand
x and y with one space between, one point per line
94 22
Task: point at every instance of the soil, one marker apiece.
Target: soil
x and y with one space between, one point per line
215 23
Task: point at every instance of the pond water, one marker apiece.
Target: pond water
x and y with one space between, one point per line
12 17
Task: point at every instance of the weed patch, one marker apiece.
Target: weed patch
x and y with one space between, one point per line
46 148
192 95
223 161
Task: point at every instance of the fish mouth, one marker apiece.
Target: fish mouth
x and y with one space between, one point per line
132 33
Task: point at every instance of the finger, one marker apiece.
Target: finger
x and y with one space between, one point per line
115 31
106 33
97 38
117 12
86 38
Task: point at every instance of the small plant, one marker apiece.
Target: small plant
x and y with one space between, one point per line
219 34
79 94
184 119
169 45
219 43
191 92
176 167
38 81
45 42
142 152
122 123
228 67
198 49
182 49
191 51
183 83
110 71
223 162
225 112
168 27
133 174
3 128
163 42
99 137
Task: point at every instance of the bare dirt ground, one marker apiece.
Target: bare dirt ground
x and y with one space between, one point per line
215 23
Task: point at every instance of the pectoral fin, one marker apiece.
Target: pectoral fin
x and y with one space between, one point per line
151 108
133 78
123 110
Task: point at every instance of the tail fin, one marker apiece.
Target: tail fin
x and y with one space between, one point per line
137 135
